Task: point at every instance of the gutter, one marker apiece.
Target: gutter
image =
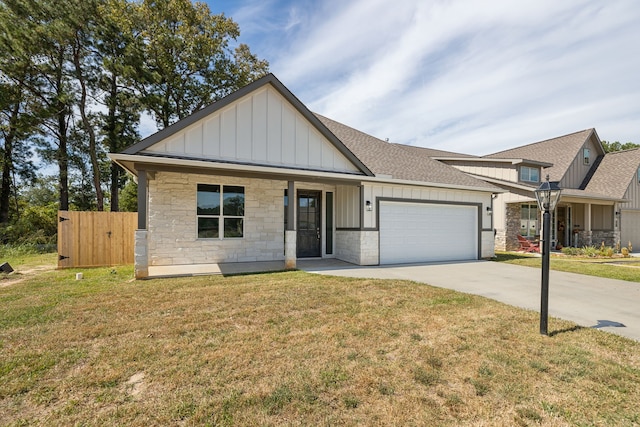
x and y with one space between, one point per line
129 162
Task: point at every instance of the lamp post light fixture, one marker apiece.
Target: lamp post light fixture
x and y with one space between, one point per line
547 196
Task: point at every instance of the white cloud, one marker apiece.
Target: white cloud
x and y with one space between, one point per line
458 75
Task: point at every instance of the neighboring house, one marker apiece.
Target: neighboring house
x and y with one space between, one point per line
600 198
257 177
618 176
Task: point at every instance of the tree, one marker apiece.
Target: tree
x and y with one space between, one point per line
34 34
120 54
187 60
18 116
85 70
75 76
16 126
610 147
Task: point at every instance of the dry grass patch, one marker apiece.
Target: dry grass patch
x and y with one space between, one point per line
296 349
617 268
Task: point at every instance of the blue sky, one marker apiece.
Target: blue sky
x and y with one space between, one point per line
460 75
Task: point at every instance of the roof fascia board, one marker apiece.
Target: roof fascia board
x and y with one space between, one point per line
502 182
233 97
134 162
598 141
490 160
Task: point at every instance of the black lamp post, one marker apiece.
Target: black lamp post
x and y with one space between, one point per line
547 196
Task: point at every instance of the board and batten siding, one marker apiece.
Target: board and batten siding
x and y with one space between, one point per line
632 194
263 129
347 206
405 192
577 171
502 171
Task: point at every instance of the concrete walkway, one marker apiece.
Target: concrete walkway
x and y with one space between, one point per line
607 304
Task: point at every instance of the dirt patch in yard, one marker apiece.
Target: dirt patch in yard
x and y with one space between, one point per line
22 275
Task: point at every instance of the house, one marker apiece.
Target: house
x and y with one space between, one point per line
599 201
256 176
618 176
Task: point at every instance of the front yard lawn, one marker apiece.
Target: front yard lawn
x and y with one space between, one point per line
613 268
296 349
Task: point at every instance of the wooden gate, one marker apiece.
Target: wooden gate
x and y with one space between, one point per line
95 239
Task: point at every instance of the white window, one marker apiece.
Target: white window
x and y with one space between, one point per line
529 174
529 220
587 155
220 211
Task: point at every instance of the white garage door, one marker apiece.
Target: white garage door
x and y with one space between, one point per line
421 232
630 229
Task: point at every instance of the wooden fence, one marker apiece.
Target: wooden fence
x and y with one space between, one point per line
95 239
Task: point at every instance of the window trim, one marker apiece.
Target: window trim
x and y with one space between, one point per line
528 168
221 216
586 154
530 207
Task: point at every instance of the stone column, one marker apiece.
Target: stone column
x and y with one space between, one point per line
587 225
290 249
290 234
141 255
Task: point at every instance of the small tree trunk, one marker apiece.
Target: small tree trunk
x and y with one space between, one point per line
95 166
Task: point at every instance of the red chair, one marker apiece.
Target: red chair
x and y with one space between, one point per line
527 246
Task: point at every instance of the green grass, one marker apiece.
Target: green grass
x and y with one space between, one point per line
613 268
296 349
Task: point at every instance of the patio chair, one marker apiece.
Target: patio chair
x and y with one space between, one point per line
528 246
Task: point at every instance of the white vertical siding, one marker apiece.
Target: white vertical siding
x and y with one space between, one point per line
261 128
632 194
578 170
505 172
211 138
347 206
373 191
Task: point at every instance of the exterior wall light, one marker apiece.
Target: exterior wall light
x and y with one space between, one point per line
368 205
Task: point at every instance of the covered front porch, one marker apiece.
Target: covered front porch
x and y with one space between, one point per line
575 222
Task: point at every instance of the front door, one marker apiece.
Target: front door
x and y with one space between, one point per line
309 224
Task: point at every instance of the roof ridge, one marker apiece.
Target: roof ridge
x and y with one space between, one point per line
540 142
622 151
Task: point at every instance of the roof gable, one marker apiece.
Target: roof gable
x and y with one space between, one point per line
561 152
261 124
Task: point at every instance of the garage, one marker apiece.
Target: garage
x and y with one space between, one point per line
630 228
426 232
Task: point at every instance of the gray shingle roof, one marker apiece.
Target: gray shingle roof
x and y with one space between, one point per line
432 152
614 173
395 160
560 151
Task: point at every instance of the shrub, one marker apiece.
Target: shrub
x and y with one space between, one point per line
606 251
590 251
571 251
36 226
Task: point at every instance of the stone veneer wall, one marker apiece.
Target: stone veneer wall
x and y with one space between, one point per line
358 247
610 238
505 239
172 237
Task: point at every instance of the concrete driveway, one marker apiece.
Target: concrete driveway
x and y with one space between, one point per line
607 304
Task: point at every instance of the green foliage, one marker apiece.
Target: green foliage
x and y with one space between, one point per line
129 197
590 251
36 226
610 147
77 74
